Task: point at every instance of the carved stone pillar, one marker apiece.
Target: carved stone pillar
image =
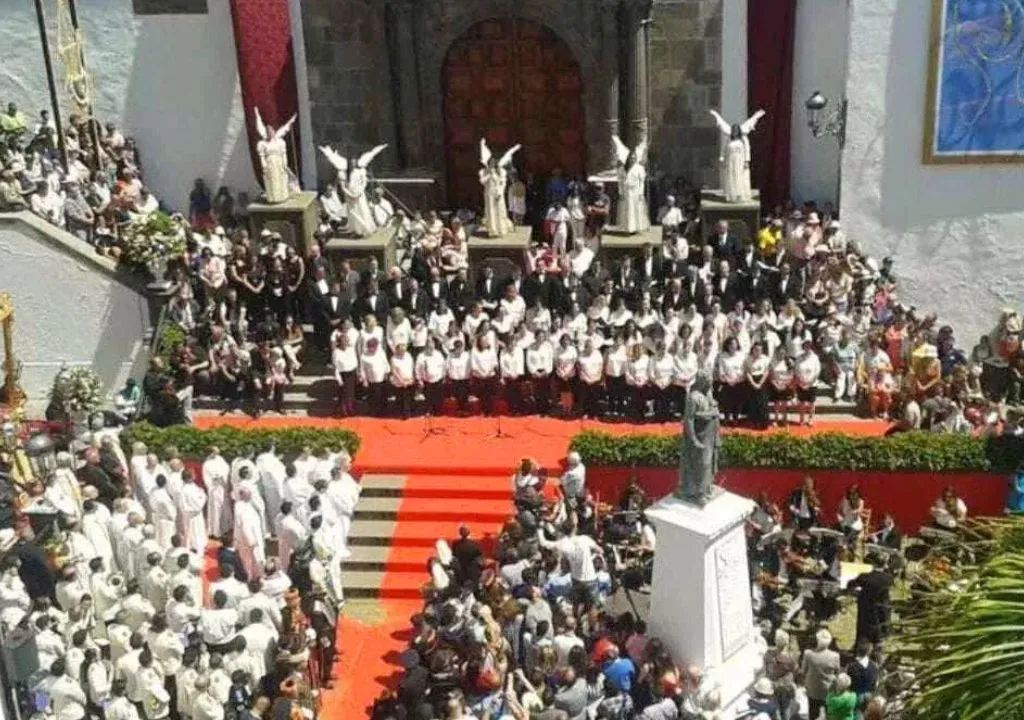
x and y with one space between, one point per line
404 81
637 22
611 47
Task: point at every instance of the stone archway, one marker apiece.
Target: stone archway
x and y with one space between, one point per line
511 80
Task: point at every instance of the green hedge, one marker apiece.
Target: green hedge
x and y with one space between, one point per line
917 451
195 443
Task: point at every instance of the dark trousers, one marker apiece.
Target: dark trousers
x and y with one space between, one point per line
541 395
589 397
638 396
459 389
347 393
375 398
404 397
618 395
487 390
559 386
678 399
434 394
513 394
276 395
663 402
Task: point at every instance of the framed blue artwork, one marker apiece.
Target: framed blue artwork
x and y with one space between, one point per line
975 103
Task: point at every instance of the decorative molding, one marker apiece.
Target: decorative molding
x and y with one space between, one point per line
170 7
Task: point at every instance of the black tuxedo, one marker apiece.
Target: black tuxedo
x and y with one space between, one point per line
725 248
594 280
786 288
727 289
417 303
566 296
535 287
745 260
674 300
396 292
336 308
756 287
365 305
648 276
460 297
695 291
489 292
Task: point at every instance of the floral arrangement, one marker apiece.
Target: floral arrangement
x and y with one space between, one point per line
77 390
152 241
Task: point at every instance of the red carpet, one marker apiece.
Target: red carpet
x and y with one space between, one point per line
469 446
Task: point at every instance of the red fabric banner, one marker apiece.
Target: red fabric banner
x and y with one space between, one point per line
771 34
266 70
907 495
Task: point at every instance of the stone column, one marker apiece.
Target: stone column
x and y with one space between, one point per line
638 18
405 85
611 46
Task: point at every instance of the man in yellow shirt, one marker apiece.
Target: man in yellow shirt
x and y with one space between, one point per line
769 237
13 121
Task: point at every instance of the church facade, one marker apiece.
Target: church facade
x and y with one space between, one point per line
431 77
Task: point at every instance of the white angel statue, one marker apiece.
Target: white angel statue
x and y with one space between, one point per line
735 157
632 216
353 180
274 157
494 178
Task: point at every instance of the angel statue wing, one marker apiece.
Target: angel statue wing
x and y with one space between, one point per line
724 126
367 157
485 152
751 122
506 159
621 151
261 128
338 161
284 129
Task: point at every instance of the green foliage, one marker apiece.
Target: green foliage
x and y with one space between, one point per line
964 637
155 238
172 338
917 451
195 444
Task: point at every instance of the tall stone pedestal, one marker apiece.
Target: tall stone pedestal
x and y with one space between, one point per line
744 217
700 602
295 219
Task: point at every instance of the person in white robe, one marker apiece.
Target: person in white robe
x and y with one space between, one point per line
57 495
234 589
305 464
246 479
80 550
343 493
166 645
120 707
220 679
271 476
138 610
14 600
188 575
216 474
558 217
64 479
154 582
632 216
141 553
331 553
260 642
164 513
298 488
106 590
494 178
98 678
269 608
70 588
145 477
205 706
290 532
381 208
275 583
96 531
155 698
249 534
62 689
185 683
175 470
137 463
126 540
191 505
181 612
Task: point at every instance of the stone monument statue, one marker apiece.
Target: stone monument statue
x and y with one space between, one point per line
494 178
735 157
353 179
701 443
632 216
274 158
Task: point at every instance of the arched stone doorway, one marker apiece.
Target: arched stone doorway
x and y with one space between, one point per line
511 81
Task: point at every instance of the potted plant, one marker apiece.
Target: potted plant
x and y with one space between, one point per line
150 242
77 393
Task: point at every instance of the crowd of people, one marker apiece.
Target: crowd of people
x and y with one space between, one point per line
775 320
100 189
114 610
539 622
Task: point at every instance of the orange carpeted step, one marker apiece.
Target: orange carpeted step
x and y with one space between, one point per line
468 487
467 510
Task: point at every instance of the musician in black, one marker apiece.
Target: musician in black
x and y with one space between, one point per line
873 607
888 535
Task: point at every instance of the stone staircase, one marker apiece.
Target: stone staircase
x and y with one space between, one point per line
399 520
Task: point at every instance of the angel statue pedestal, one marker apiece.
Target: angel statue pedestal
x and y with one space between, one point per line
294 219
744 217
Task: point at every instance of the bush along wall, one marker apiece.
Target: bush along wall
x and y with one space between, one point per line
194 443
912 451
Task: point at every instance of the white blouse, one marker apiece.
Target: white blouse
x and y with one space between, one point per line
457 366
638 370
430 367
615 362
662 370
730 368
512 363
808 368
781 376
590 367
402 371
686 365
373 367
540 360
483 363
565 362
344 359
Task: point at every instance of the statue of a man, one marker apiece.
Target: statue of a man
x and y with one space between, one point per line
701 443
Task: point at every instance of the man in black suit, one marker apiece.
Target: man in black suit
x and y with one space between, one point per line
417 304
460 295
695 290
395 288
746 259
649 267
674 297
572 291
516 278
488 290
595 276
787 286
372 302
888 535
725 286
722 243
539 285
336 307
873 606
755 285
436 287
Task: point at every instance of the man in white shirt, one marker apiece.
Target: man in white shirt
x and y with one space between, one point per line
373 374
457 370
217 624
579 551
574 479
234 589
430 372
540 361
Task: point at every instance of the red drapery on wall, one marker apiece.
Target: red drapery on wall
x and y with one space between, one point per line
771 33
266 69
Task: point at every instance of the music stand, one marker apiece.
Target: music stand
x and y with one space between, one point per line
499 433
432 430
